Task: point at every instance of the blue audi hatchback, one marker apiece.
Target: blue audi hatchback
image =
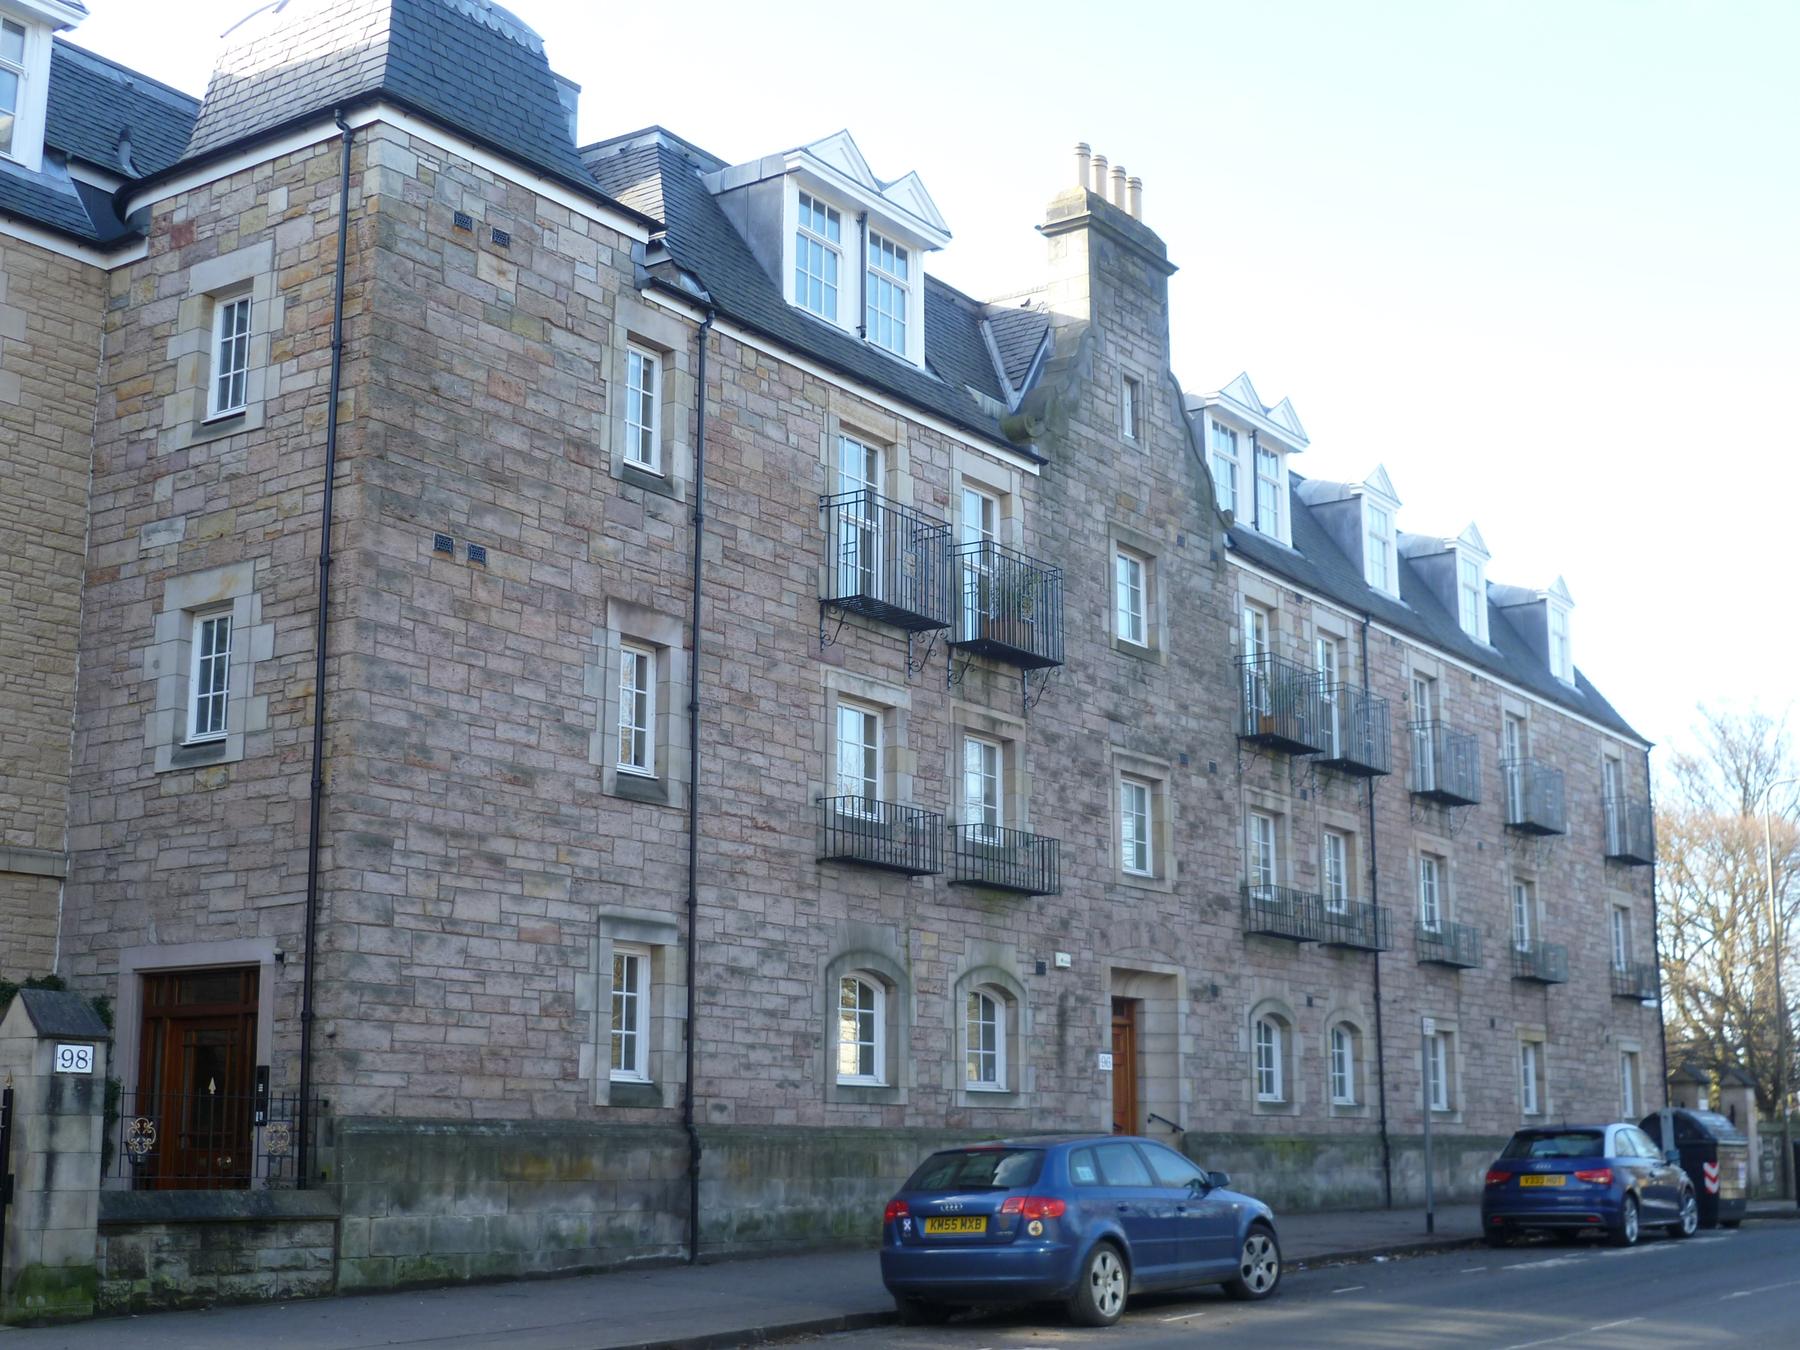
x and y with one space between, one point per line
1084 1220
1609 1179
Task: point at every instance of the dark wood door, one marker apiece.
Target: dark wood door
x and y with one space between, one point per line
196 1078
1124 1070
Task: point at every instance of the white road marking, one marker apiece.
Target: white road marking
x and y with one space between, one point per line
1760 1289
1350 1289
1182 1317
1555 1340
1470 1270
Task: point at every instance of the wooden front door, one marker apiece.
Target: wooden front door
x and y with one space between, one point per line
196 1076
1124 1070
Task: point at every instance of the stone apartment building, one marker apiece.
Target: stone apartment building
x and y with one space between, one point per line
779 712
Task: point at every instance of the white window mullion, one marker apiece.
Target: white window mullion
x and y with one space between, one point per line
637 709
209 680
643 410
630 1019
229 388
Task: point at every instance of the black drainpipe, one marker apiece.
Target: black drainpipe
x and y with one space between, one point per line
693 820
862 280
1387 1149
1662 1028
302 1160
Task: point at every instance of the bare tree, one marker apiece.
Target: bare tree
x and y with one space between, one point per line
1718 949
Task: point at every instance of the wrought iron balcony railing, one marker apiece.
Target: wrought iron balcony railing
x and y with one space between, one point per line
886 561
1534 797
1356 732
1007 606
1634 980
1279 705
1005 860
1630 832
1544 962
1280 911
871 833
1446 764
206 1140
1448 944
1355 924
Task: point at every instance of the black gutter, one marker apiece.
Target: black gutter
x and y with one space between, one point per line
309 947
1387 1148
693 821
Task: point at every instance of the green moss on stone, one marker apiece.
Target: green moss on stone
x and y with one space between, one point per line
52 1294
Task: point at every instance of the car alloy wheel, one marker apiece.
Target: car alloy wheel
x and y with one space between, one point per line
1689 1222
1259 1266
1626 1234
1100 1294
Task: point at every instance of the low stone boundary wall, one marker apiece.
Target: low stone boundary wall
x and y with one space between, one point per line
159 1250
1302 1173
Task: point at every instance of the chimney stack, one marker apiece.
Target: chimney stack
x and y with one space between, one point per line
1118 186
1137 199
1082 154
1100 175
1108 183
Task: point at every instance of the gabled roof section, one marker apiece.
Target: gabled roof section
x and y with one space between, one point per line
907 193
1471 539
1240 401
1559 591
108 115
1019 333
1378 484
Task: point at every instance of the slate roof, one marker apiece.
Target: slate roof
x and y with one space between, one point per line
703 242
57 1012
1018 333
1316 563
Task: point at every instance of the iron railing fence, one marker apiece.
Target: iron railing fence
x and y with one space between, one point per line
1281 911
1542 962
1356 731
1446 764
1007 606
886 835
886 561
1279 704
1355 924
1005 860
1534 797
1448 944
1634 980
1630 832
207 1140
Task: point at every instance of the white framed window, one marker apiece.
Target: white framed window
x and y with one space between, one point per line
631 1014
1326 662
861 1031
1528 1077
1437 1070
1524 916
229 390
889 293
1628 1081
817 241
1136 849
1561 664
1225 465
1131 598
984 786
1431 900
1334 866
209 681
1343 1066
985 1022
860 479
1471 592
859 755
12 81
637 709
1255 620
1378 547
1512 754
1263 870
1621 938
1131 399
979 522
1270 1084
643 409
1268 492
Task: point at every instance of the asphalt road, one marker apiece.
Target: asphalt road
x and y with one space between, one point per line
1718 1288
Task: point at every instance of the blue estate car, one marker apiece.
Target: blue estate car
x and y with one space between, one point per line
1084 1220
1602 1178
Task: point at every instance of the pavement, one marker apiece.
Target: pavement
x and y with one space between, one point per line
678 1307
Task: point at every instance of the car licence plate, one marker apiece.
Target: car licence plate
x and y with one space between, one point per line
1548 1179
977 1225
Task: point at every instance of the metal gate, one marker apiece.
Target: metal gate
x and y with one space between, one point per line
6 1180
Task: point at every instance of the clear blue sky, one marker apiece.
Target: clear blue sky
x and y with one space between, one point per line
1539 259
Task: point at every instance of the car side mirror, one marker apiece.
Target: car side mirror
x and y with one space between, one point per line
1672 1156
1218 1180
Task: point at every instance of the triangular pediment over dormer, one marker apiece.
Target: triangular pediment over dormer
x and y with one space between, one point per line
1378 484
909 192
1471 539
1283 415
1559 591
839 150
1241 391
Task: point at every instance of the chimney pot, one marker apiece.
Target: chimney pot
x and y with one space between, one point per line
1118 187
1082 154
1100 174
1137 199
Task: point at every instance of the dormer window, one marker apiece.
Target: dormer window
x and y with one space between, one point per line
1378 547
889 290
12 80
1471 592
1268 492
817 241
1561 664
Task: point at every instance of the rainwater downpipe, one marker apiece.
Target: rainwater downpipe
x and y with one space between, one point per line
1387 1148
693 820
862 277
309 946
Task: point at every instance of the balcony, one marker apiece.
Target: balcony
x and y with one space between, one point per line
1541 962
886 562
1007 606
1448 944
1534 797
1355 724
882 835
1005 860
1446 764
1354 924
1279 911
1279 705
1636 980
1630 832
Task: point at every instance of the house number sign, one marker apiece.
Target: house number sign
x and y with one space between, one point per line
74 1059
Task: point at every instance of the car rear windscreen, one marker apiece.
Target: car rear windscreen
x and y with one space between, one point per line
1562 1144
978 1169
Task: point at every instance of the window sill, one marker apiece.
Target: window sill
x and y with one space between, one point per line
1148 881
218 418
638 787
649 480
1138 651
637 1092
192 754
863 1094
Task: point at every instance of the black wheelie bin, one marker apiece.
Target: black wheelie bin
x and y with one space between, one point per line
1716 1158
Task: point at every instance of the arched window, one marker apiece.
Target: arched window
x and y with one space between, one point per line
1343 1065
861 1030
1271 1035
985 1019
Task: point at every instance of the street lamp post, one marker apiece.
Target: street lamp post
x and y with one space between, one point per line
1781 1008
